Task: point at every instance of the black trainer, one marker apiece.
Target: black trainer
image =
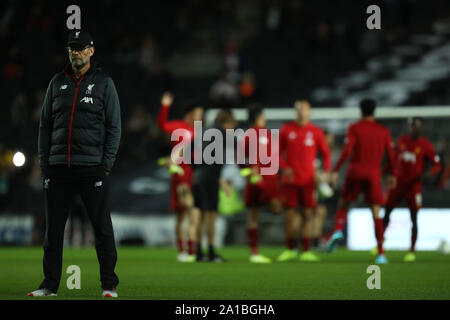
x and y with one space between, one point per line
216 258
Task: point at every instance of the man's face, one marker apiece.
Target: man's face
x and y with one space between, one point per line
229 125
416 128
195 115
260 120
79 56
303 110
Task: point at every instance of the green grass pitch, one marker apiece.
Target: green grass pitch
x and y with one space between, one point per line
154 273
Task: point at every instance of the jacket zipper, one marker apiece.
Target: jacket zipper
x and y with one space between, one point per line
71 118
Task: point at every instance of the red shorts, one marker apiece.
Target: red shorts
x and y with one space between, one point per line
370 185
175 181
260 194
292 195
411 192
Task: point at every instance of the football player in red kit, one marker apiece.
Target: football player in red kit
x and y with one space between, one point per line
412 153
181 198
260 189
365 144
299 142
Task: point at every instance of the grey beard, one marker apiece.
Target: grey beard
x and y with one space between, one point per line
78 66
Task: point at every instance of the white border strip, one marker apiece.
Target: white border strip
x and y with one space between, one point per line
340 113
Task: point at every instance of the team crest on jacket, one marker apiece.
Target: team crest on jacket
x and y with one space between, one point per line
89 88
408 156
263 140
309 140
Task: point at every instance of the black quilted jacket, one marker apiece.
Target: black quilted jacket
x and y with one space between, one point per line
80 120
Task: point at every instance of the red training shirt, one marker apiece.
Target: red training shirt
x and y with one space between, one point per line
365 144
298 150
411 155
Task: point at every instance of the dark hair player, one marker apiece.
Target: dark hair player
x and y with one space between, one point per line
365 144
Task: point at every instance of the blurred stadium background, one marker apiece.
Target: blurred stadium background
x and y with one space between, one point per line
223 53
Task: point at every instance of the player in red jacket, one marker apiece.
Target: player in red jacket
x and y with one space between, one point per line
260 190
299 142
365 144
412 153
181 198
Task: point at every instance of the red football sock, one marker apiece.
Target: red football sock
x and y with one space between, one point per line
306 244
340 219
290 243
253 239
379 231
413 243
191 247
180 245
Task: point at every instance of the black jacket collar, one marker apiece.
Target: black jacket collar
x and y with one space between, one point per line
94 67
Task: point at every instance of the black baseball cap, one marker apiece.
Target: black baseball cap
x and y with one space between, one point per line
80 37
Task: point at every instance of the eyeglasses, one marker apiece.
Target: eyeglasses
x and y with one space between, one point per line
76 48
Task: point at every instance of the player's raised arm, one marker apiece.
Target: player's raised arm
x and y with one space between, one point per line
163 123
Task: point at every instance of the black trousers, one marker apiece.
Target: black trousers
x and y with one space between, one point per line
61 183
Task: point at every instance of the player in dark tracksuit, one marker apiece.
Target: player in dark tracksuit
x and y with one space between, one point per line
206 183
79 135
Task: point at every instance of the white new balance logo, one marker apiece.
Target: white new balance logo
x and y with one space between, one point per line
46 181
63 87
87 100
98 183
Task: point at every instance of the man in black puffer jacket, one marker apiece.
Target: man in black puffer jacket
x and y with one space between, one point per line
79 136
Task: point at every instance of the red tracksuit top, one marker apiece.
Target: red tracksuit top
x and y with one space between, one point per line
365 144
411 155
298 150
